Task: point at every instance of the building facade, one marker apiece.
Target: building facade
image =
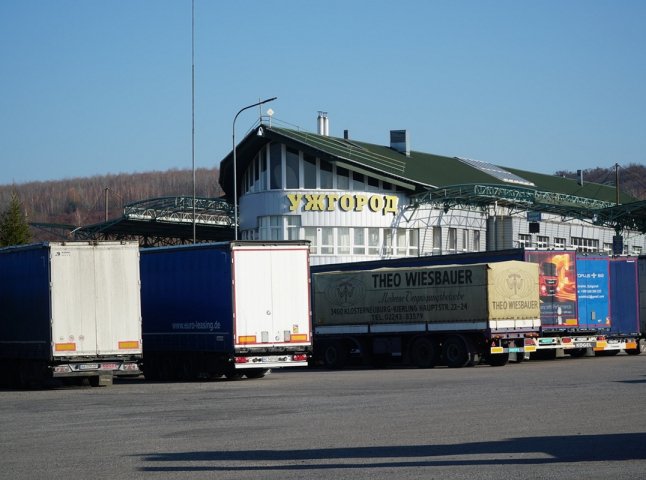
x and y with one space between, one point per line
355 201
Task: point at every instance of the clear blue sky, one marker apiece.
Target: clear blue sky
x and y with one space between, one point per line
93 87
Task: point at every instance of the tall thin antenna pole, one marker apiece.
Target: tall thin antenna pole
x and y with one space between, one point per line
193 106
617 183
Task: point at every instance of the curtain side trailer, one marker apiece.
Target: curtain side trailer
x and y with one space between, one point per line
454 315
230 308
69 309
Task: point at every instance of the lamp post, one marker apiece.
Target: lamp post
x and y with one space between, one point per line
235 165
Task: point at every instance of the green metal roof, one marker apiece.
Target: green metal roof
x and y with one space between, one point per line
446 181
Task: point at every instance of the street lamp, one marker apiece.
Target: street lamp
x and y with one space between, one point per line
235 165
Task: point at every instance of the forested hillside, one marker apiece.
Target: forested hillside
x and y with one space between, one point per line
632 178
81 201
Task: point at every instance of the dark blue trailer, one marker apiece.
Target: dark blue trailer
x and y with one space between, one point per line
625 328
231 308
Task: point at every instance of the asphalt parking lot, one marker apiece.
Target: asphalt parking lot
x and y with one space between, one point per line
566 418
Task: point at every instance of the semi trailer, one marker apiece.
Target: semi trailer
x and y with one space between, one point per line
453 315
228 309
69 310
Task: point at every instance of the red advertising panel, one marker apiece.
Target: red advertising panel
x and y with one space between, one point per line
557 284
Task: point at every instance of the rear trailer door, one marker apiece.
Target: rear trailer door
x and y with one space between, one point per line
118 305
95 300
271 297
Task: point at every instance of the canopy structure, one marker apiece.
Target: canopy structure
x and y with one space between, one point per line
166 221
598 212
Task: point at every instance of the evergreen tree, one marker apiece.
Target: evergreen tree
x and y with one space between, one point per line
14 229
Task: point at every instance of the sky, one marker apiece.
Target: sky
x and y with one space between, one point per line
93 87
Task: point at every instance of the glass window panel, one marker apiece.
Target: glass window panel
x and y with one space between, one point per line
401 241
309 171
292 172
342 178
373 241
476 240
310 234
359 247
263 170
326 175
357 181
276 166
327 241
452 245
343 240
388 242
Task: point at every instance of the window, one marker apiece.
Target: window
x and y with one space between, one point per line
342 178
476 240
292 171
293 225
310 234
388 242
343 240
524 240
327 241
413 242
373 184
437 240
465 240
275 166
359 243
637 250
585 244
263 170
452 242
401 242
559 242
309 171
326 175
607 248
357 181
271 227
256 175
542 241
373 241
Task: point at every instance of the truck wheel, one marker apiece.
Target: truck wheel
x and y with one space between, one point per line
335 355
424 353
576 352
635 351
455 352
498 359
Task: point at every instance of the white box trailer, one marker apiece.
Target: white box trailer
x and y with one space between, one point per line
70 309
229 308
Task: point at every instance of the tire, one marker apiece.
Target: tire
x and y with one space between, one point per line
498 359
636 351
455 352
424 353
335 355
577 352
256 372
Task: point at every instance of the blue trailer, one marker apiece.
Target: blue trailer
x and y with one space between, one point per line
70 311
624 332
232 308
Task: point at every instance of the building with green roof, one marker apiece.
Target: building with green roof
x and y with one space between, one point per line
356 201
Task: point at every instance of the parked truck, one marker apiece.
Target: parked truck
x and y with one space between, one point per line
231 308
624 328
69 310
454 315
